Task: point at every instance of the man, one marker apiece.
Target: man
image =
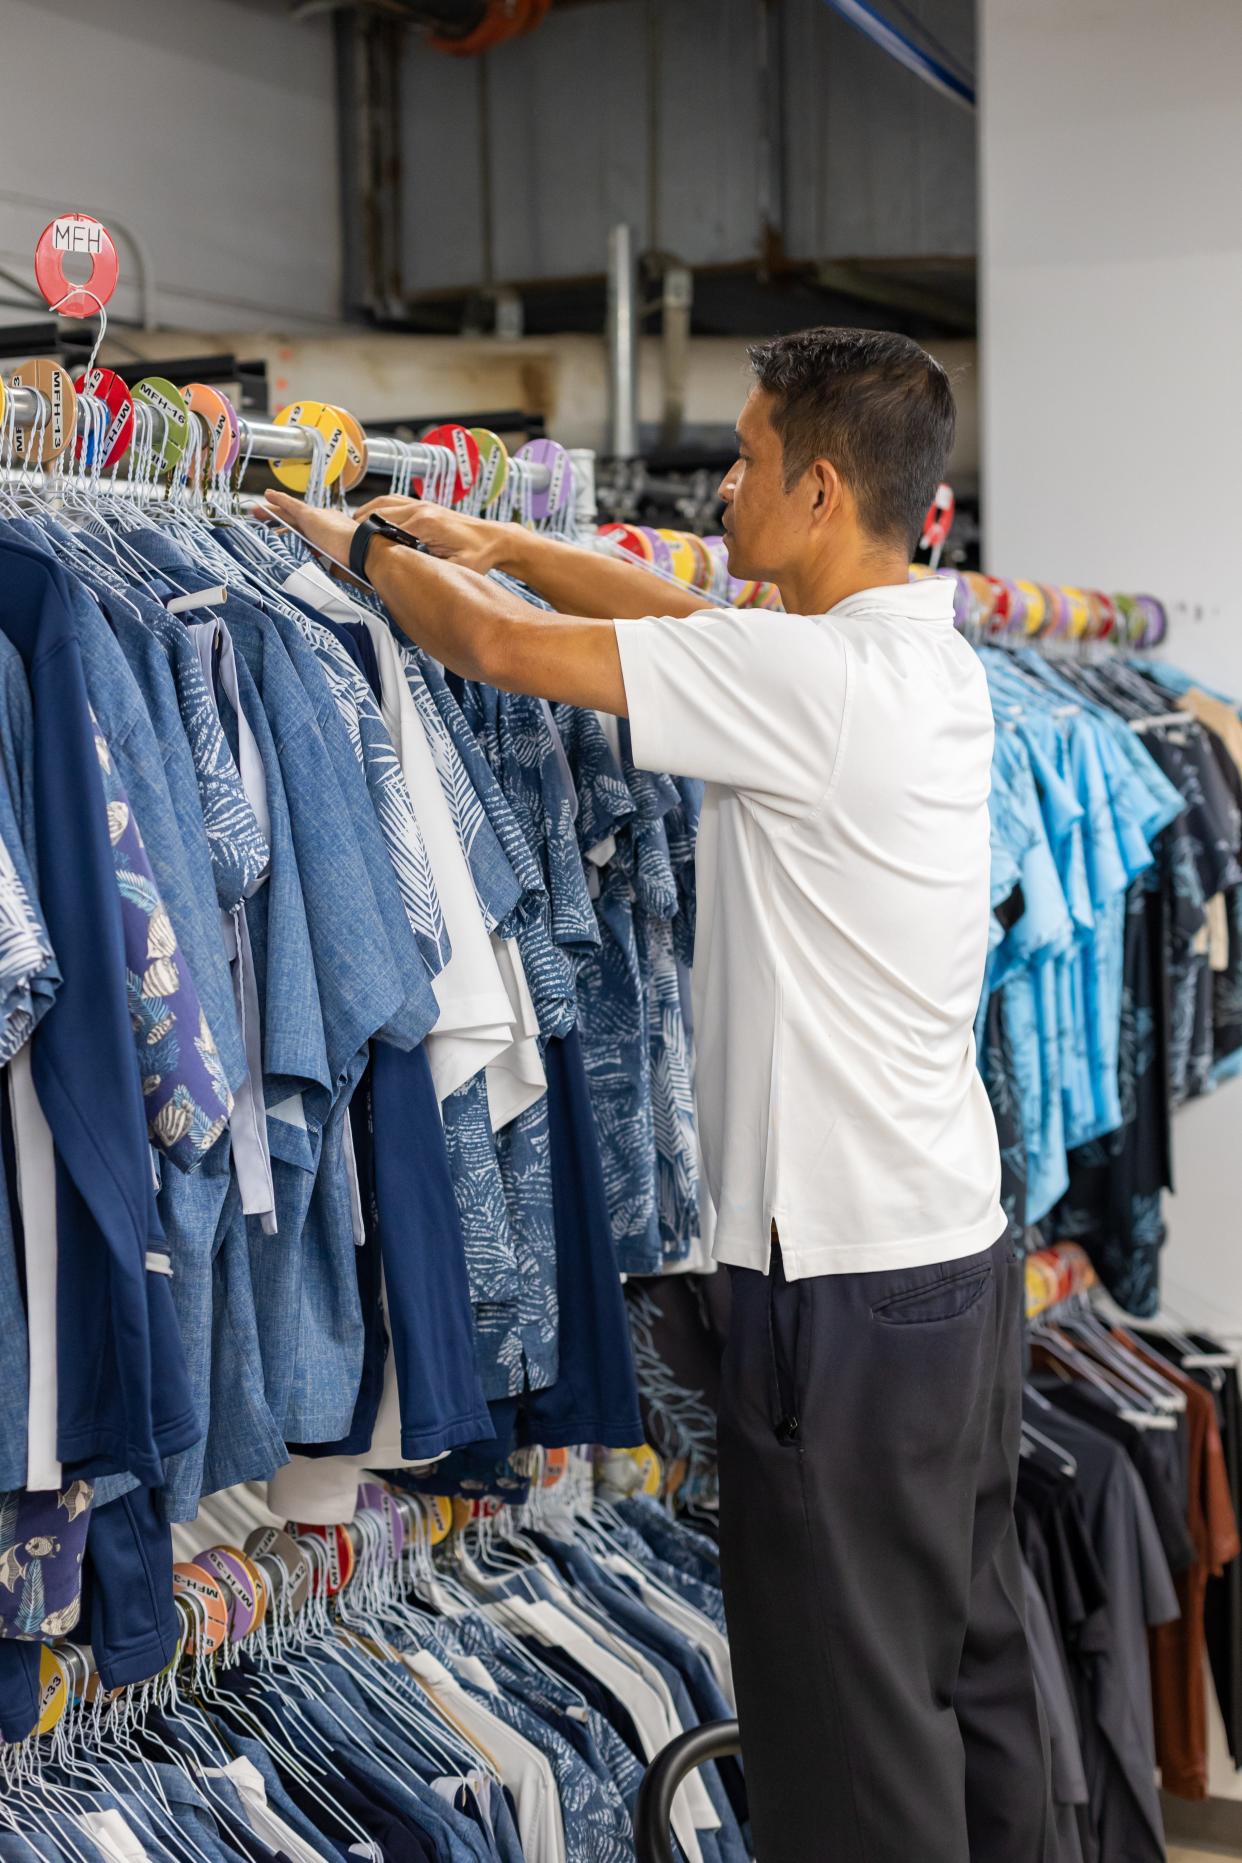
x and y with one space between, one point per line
871 1409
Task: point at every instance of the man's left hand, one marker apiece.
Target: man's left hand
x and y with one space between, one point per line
328 531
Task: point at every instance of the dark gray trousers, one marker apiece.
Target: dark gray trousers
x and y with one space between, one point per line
868 1434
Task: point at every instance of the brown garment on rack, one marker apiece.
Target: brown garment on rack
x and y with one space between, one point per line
1179 1650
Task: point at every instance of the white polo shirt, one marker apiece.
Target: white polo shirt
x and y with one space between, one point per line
842 921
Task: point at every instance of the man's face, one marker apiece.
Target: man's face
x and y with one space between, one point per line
764 523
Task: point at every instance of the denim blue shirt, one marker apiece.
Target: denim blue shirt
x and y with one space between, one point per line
180 861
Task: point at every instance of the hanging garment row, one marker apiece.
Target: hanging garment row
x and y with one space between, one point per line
1112 990
1128 1503
345 1051
395 1690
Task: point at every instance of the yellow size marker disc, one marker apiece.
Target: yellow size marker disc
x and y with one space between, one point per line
438 1513
1036 605
355 450
705 569
53 1690
1079 612
295 474
682 556
653 1472
58 430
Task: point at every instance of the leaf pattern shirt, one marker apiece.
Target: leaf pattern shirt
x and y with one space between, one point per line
186 1095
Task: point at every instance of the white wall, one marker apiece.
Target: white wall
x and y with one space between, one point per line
207 126
1111 342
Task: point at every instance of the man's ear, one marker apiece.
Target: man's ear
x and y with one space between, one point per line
826 489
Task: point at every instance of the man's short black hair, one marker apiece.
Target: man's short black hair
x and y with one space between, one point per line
876 405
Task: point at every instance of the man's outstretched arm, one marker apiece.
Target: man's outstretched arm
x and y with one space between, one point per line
470 625
572 579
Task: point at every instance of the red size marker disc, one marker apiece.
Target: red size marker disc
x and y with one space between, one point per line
341 1556
106 385
461 443
629 537
76 233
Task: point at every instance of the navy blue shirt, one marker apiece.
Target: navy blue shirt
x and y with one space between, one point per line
124 1400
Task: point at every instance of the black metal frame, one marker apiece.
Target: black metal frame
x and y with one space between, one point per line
712 1741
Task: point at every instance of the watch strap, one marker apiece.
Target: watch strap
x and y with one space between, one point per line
364 536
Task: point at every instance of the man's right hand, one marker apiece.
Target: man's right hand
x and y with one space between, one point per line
473 542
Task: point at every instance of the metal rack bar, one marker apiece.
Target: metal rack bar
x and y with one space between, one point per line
265 440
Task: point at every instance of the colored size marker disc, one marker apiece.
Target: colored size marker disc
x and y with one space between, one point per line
373 1496
53 1690
212 1620
262 1587
555 1463
219 416
355 450
40 443
461 443
437 1512
341 1556
1155 618
684 562
171 429
630 538
493 465
661 555
106 387
227 1567
295 474
550 502
273 1543
76 233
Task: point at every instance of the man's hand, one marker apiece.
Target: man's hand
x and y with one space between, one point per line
329 531
472 542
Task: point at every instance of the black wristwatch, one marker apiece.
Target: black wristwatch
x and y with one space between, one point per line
364 536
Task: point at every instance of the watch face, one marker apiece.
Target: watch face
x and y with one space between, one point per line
386 528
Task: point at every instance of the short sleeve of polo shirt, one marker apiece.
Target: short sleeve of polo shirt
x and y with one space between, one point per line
753 701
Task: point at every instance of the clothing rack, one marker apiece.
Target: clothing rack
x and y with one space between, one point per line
266 440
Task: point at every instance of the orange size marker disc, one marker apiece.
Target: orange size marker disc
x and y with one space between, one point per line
188 1577
355 450
218 416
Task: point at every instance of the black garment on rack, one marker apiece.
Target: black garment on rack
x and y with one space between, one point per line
1113 1204
1057 1547
1114 1689
1156 1454
1003 1094
1222 1609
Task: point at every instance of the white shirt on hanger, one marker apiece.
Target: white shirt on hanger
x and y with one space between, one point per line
843 869
36 1194
525 1770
